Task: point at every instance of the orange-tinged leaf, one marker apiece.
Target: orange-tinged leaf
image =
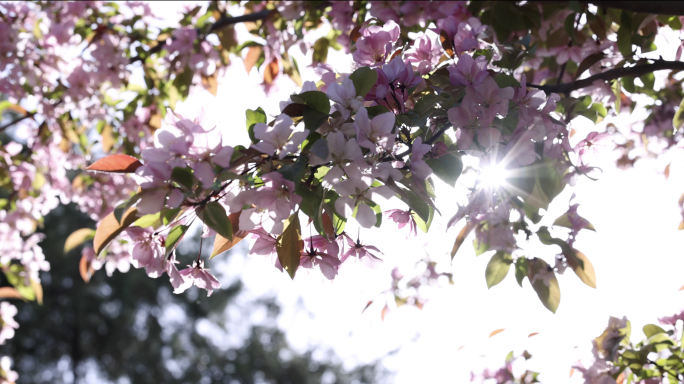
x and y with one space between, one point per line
446 43
328 225
681 226
77 238
355 33
155 121
110 227
367 305
461 238
116 164
620 379
253 54
210 83
572 370
384 313
85 268
108 139
533 334
221 244
271 71
9 293
496 332
667 172
681 289
38 290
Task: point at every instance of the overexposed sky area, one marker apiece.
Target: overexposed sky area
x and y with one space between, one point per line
637 254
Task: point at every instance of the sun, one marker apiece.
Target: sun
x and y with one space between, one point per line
493 176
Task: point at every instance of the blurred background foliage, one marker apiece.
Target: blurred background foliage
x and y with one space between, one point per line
129 328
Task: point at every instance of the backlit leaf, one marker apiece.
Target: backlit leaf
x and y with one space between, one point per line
461 238
548 295
253 117
85 268
652 329
445 40
221 244
252 57
289 245
447 167
174 237
497 268
110 227
77 238
215 217
9 293
678 119
115 164
586 271
496 332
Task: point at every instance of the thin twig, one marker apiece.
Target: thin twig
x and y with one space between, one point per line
612 74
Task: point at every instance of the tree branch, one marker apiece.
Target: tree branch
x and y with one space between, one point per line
222 22
612 74
654 7
17 120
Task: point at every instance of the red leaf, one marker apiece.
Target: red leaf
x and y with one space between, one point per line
115 164
533 334
85 268
222 244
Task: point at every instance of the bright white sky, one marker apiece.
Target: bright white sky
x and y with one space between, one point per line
637 253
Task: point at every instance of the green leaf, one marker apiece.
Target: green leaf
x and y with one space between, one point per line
617 91
77 238
148 220
624 35
648 80
520 269
480 247
320 148
183 81
215 217
182 176
289 245
314 99
504 81
376 110
295 171
548 295
364 79
253 117
15 275
497 268
447 167
652 329
313 118
582 267
174 237
564 221
678 119
320 50
423 224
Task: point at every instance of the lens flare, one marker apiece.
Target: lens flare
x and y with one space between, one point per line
493 176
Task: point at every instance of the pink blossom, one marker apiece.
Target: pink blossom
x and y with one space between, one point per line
418 167
671 320
375 133
199 276
385 10
7 313
492 99
358 193
376 43
328 264
468 124
426 53
344 96
362 253
402 218
280 139
468 71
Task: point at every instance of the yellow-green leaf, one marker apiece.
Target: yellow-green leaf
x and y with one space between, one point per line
586 272
77 238
289 245
110 227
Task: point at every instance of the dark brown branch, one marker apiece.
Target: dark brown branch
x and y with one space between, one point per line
612 74
20 119
654 7
222 22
